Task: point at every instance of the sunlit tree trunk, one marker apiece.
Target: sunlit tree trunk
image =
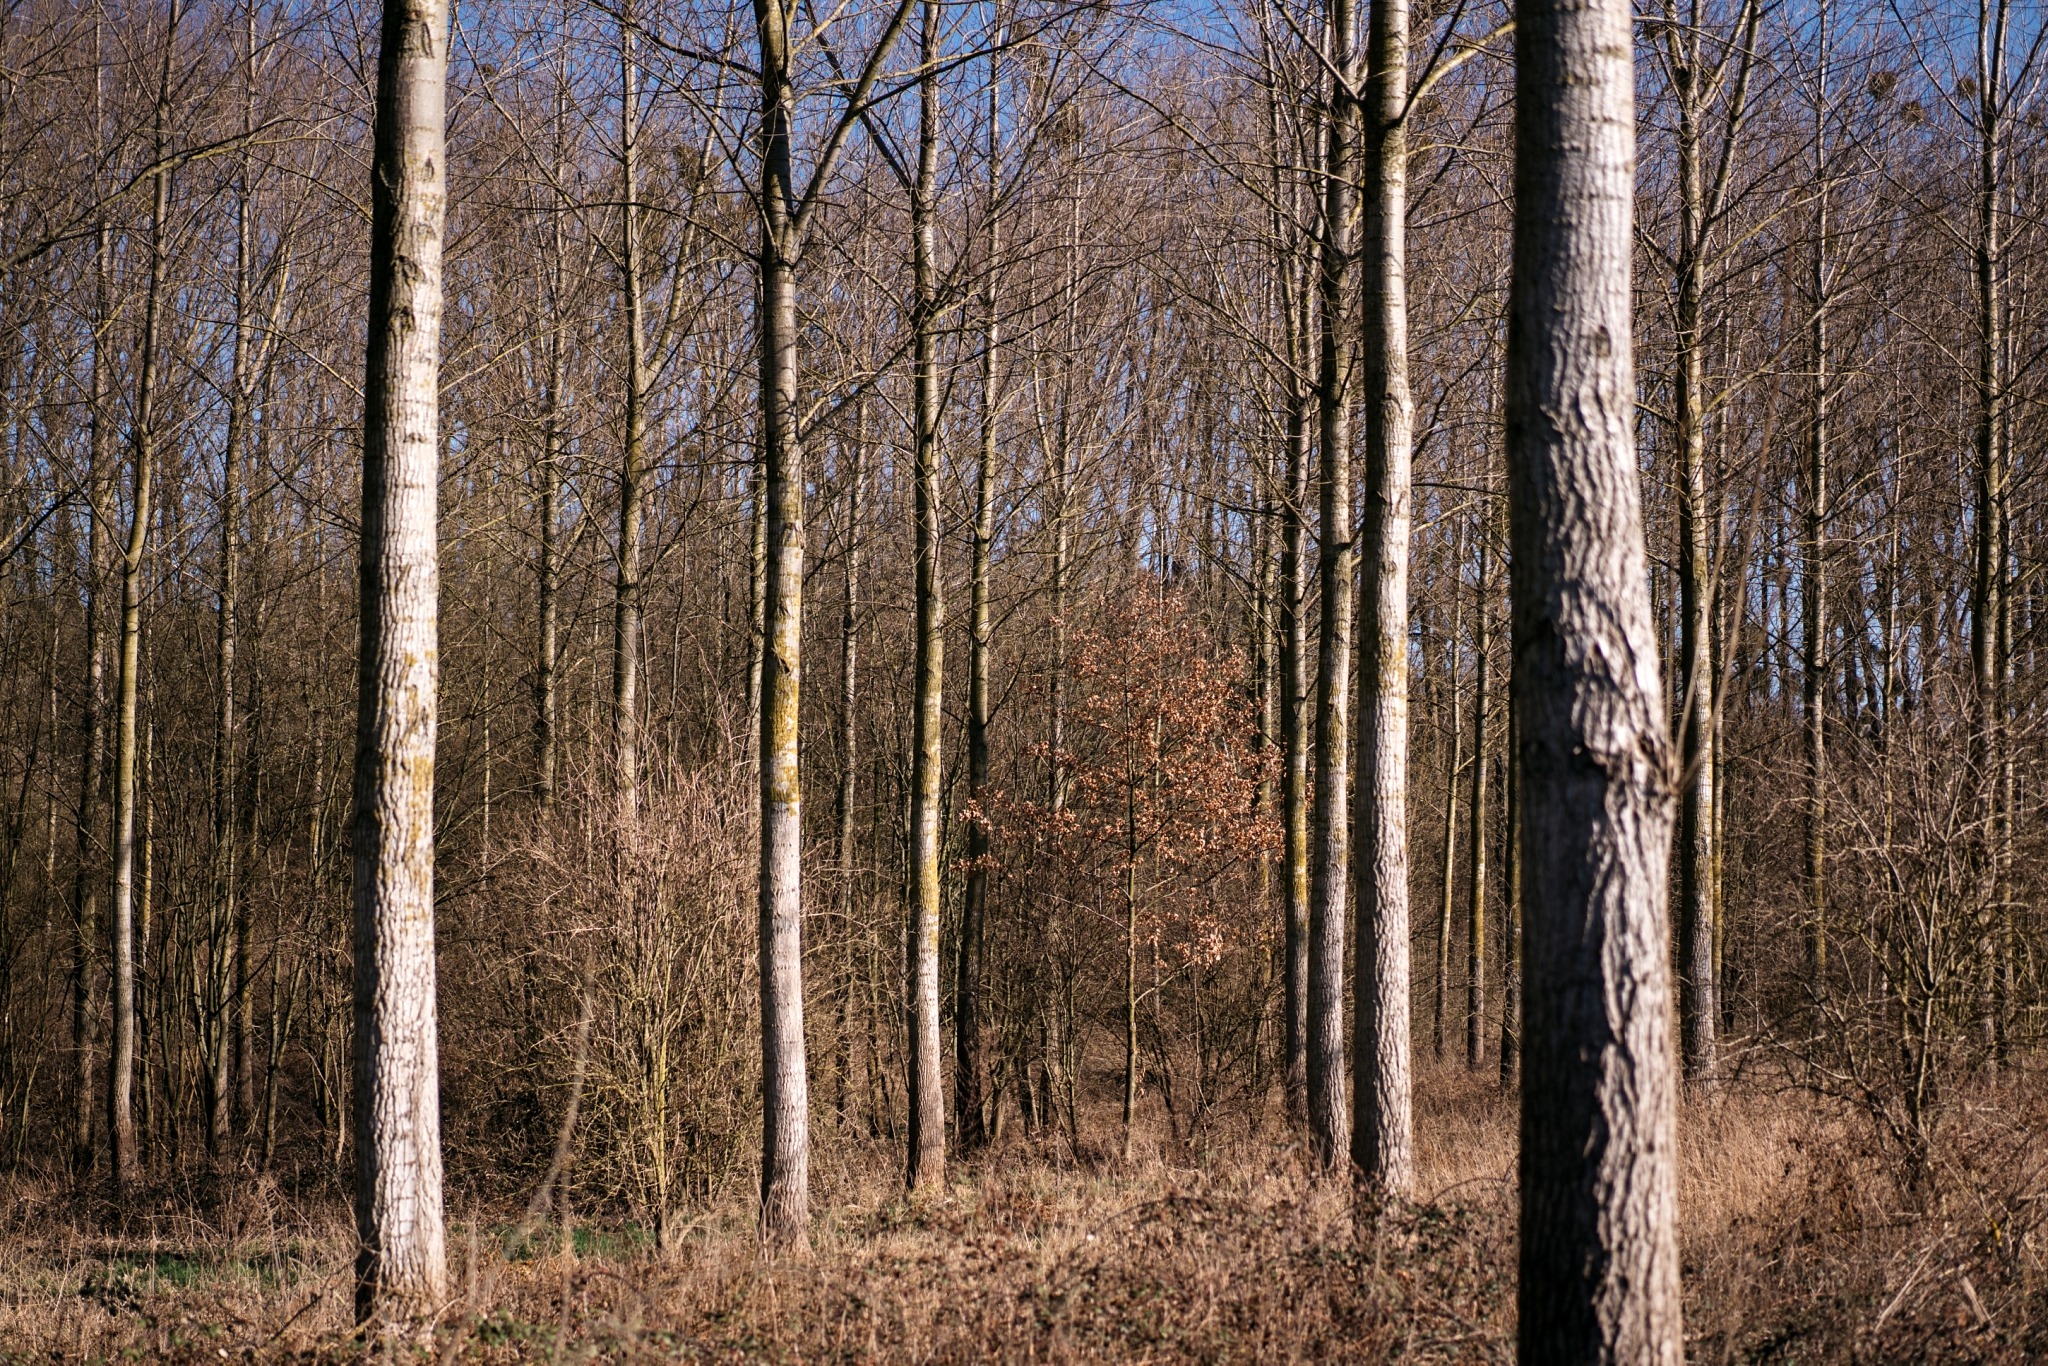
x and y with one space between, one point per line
400 1261
626 606
785 1110
121 1136
927 1158
969 1081
1330 851
1599 1254
1382 1143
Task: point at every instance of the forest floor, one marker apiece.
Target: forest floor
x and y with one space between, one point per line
1801 1244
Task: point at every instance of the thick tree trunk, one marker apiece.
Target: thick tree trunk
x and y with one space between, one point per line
1382 1141
1599 1256
927 1156
1330 853
400 1262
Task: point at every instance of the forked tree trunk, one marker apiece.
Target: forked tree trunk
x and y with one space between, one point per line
1599 1254
400 1259
1330 853
1382 1139
927 1156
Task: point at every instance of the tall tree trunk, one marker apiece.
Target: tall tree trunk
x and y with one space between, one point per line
1383 1142
547 649
785 1110
400 1260
1453 770
626 608
1330 854
969 1066
927 1156
1599 1252
1813 588
121 1137
1991 511
849 749
1511 908
1475 892
88 826
1697 1013
227 812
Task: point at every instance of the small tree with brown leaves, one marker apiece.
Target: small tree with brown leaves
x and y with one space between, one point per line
1157 831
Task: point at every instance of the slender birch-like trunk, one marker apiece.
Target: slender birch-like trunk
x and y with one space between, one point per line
1599 1252
400 1260
927 1155
1330 850
1511 908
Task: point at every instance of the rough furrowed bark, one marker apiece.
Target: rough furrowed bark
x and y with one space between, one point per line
400 1261
1599 1258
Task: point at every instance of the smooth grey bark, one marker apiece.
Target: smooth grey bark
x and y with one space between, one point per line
1599 1254
1383 1139
1336 365
927 1138
401 1254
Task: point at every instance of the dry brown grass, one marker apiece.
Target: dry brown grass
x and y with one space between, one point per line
1800 1246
